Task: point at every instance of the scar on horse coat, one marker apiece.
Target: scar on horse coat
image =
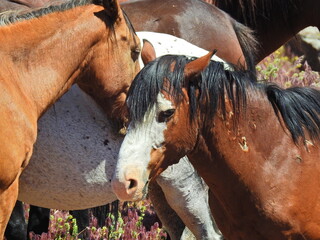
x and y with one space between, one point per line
254 144
72 133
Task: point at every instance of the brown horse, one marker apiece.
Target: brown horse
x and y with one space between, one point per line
42 54
27 4
274 21
197 22
256 145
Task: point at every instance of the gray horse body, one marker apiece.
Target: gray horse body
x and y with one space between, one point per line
74 156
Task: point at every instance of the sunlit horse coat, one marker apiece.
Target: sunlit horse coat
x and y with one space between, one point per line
76 151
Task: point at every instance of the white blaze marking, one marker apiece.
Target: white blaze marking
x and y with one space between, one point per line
138 143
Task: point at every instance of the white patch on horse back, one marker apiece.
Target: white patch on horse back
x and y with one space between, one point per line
168 44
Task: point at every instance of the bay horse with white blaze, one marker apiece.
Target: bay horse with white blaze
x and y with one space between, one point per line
256 145
43 53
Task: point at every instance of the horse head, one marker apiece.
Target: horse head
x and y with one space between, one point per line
113 62
161 130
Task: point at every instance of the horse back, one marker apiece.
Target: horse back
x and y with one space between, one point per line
195 21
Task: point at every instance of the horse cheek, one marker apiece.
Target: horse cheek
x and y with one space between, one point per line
179 135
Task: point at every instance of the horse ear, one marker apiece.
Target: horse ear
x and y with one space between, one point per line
148 53
196 66
112 8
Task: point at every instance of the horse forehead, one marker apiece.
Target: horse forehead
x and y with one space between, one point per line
164 102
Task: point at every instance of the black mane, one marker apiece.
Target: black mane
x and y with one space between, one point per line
10 17
13 16
298 107
246 11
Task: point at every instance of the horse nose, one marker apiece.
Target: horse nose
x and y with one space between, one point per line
126 188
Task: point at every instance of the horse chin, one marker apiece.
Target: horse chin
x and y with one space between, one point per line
140 194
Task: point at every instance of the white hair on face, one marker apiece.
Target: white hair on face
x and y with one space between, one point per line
148 133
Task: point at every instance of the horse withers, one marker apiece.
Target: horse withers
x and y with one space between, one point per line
255 145
85 42
197 22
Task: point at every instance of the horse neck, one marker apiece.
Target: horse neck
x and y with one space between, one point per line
251 163
225 154
47 54
272 32
312 13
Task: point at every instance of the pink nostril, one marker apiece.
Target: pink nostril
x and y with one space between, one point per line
133 184
128 187
125 190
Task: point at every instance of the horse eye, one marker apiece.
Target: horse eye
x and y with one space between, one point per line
135 53
164 116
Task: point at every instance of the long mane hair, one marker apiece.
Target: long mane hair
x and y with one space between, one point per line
246 11
11 17
298 107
